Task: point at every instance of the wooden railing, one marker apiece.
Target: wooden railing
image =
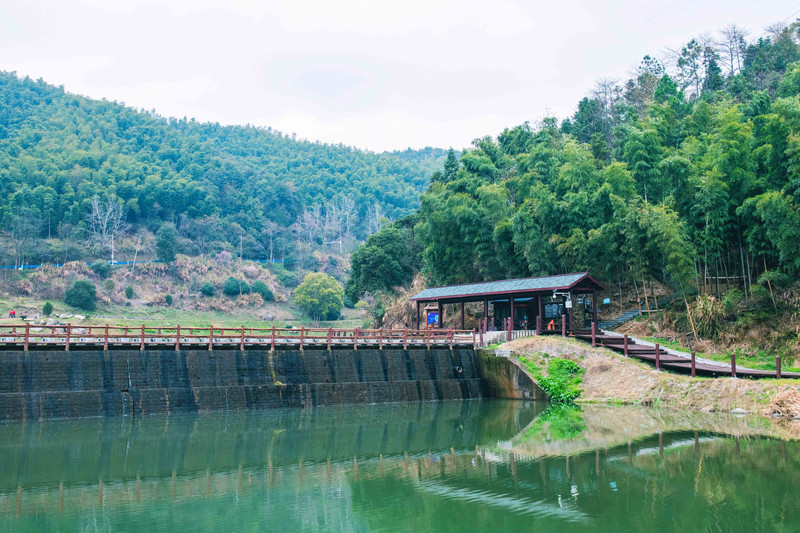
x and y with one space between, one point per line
69 335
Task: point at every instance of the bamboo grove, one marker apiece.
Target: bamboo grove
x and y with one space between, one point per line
687 173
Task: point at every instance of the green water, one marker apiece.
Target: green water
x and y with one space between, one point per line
448 466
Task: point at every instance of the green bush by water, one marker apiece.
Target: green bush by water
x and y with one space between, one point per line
562 384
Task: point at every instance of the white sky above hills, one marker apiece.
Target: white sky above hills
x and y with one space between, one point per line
372 74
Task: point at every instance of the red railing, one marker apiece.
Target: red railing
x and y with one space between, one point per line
105 336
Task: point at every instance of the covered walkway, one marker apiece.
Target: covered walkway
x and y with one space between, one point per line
548 303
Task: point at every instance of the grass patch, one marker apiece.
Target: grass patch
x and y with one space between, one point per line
562 383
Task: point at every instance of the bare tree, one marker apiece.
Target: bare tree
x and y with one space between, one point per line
271 230
732 46
106 221
375 218
69 235
24 227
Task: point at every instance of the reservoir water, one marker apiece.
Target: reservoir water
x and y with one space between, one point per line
433 466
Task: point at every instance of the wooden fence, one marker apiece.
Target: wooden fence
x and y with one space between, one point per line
69 336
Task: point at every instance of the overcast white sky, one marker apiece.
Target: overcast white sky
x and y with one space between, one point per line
373 74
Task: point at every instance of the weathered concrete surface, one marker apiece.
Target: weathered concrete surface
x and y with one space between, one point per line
506 378
56 384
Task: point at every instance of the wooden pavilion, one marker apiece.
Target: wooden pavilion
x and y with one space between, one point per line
542 303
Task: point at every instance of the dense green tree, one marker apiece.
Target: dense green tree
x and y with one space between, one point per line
319 295
167 242
382 263
82 294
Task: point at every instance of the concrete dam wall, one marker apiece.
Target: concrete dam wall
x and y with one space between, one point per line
90 383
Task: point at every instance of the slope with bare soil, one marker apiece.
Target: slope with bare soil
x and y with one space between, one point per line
612 378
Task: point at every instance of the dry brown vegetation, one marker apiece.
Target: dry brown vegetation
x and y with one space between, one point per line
610 377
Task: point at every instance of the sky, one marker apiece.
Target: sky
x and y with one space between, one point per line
367 73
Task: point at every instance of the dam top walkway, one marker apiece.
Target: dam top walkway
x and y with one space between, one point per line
66 337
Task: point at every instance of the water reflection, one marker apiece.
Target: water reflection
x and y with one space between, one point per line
424 467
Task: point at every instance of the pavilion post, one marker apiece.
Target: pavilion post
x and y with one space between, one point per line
563 325
485 312
594 307
440 309
462 315
541 316
571 314
511 314
418 325
594 335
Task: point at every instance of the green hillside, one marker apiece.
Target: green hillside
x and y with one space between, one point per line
687 173
225 187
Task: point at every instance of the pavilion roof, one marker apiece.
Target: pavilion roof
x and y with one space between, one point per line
478 291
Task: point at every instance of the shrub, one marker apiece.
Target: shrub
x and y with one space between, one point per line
259 287
82 294
129 292
47 309
207 288
731 300
102 269
288 280
563 382
708 313
235 287
168 299
109 285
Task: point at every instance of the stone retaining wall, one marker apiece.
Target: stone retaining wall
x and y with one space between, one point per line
87 383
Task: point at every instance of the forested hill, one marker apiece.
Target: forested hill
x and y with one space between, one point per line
223 186
688 172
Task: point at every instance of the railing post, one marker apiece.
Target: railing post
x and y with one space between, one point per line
563 325
105 338
694 365
733 365
658 358
625 345
594 335
428 338
473 338
481 338
210 338
69 332
142 345
380 339
178 338
27 334
778 366
302 336
355 339
330 334
405 339
451 339
241 341
272 339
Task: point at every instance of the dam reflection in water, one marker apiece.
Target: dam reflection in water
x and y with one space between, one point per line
452 466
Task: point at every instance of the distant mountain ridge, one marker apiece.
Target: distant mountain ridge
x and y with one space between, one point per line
225 185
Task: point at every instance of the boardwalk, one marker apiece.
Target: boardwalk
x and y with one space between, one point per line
673 360
67 337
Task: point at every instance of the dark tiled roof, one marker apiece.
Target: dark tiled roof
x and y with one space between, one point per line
546 283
